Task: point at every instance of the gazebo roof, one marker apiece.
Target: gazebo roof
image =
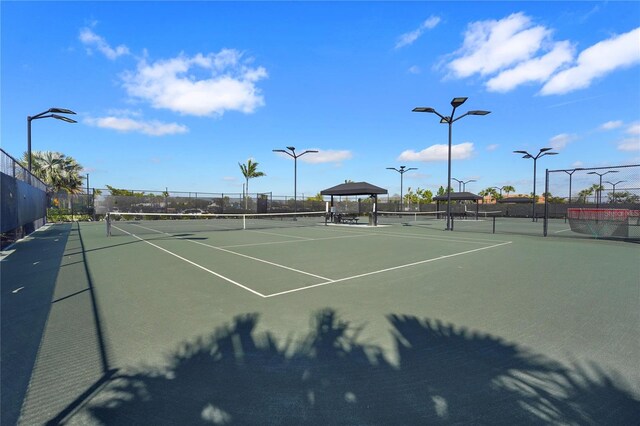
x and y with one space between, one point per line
354 188
458 196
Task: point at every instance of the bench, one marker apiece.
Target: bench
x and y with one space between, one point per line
352 219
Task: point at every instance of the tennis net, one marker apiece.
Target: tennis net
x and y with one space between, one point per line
410 218
180 223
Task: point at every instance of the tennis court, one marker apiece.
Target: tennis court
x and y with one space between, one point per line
299 322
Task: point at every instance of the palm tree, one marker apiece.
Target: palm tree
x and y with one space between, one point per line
58 171
584 194
508 189
491 192
249 171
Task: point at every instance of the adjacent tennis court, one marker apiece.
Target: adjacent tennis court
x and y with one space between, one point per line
255 320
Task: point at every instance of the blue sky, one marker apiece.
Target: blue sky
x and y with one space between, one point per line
176 94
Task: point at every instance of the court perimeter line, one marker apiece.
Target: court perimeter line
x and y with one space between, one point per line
385 270
237 254
194 264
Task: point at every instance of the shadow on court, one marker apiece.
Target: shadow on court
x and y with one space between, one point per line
28 283
445 375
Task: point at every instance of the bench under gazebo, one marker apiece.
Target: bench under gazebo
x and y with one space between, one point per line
355 189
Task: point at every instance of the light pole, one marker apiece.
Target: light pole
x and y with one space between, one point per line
499 188
570 173
455 103
542 153
600 185
50 113
613 197
459 184
295 156
464 184
402 171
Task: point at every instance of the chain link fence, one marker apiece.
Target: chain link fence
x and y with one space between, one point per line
23 200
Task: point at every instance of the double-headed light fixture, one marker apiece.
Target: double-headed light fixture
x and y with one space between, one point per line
402 170
542 153
295 156
599 192
50 113
455 103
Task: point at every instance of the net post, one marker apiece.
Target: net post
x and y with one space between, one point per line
244 221
108 222
451 220
546 203
494 224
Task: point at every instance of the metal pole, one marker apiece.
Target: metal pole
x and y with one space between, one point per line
401 199
449 178
29 143
533 212
295 183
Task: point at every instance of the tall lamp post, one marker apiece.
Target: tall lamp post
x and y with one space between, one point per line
600 184
570 173
464 184
499 188
50 113
402 171
613 197
449 120
295 156
542 153
459 184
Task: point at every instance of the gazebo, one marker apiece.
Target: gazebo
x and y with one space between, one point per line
458 196
356 188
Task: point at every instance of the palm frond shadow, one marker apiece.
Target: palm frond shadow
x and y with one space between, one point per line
445 375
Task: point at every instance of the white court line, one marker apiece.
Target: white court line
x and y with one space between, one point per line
384 270
563 230
295 241
279 235
193 263
237 254
454 239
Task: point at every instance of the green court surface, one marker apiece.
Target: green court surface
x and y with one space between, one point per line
319 325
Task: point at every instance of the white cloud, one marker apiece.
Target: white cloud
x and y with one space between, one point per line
633 129
492 147
414 69
536 69
229 179
490 46
560 141
629 144
577 164
229 83
602 58
610 125
127 125
438 153
407 39
92 40
327 156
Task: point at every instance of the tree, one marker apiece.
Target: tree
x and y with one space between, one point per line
441 191
124 192
58 171
249 171
489 192
508 189
584 194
